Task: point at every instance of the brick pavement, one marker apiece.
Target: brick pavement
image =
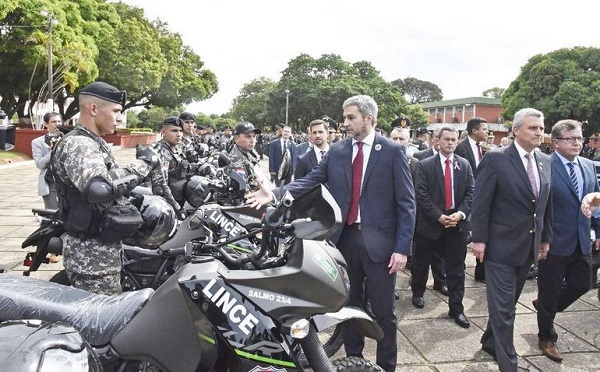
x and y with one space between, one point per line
428 340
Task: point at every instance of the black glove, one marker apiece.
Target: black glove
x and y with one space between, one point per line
149 155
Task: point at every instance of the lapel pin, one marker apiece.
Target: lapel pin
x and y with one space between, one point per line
377 147
456 165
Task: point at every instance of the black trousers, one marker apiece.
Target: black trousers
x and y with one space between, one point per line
561 281
372 278
452 247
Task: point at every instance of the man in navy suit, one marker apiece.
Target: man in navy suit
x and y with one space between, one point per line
277 149
378 208
565 273
306 162
444 192
511 222
470 149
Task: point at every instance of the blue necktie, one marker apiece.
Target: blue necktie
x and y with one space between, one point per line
573 177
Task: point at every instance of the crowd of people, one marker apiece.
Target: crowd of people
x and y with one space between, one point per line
405 203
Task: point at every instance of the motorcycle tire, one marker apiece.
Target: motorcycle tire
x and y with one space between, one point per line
355 364
332 341
61 277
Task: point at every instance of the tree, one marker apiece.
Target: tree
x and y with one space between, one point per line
494 92
252 102
319 87
96 40
418 91
563 84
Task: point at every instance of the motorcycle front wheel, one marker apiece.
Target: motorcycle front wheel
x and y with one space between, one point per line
355 364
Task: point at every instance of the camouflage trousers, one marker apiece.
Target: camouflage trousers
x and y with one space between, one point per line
92 265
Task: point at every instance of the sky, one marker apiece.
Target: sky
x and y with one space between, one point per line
463 46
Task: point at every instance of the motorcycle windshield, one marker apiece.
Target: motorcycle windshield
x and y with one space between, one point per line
320 207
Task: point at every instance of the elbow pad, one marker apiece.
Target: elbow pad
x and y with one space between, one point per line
100 190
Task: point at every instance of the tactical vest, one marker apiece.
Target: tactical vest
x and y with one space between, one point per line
85 220
177 174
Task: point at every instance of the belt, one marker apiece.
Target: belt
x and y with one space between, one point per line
356 226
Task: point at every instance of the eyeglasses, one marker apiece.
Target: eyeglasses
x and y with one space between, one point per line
571 140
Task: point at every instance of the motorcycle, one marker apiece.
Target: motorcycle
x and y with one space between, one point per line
205 316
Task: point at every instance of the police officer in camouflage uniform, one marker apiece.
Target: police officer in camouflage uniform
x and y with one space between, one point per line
242 155
189 141
92 188
175 165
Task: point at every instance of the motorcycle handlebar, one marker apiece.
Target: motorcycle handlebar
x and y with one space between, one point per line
175 252
273 216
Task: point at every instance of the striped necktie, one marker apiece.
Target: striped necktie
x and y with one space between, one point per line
573 177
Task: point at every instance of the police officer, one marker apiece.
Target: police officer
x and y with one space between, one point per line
242 154
189 141
176 168
92 188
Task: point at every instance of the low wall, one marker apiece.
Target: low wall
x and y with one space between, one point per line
23 138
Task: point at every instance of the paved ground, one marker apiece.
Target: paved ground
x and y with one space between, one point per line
427 339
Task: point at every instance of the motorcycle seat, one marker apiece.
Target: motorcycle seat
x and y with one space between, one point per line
98 318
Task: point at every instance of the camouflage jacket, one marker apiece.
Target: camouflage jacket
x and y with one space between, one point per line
247 163
176 168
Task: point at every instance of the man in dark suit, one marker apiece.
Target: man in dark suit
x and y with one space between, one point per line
369 178
470 149
566 272
277 149
511 222
444 192
437 263
306 162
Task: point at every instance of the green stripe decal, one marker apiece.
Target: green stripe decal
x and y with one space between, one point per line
264 359
237 247
252 356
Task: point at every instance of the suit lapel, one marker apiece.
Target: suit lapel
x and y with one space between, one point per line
439 174
347 162
562 173
544 176
517 163
373 157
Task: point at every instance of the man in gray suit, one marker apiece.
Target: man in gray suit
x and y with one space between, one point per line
512 226
41 149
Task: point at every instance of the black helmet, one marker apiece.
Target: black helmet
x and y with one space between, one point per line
159 224
197 191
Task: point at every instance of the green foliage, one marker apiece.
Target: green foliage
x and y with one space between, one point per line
316 87
494 92
95 40
563 84
418 91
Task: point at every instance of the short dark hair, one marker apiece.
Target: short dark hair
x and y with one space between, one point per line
563 125
474 123
49 116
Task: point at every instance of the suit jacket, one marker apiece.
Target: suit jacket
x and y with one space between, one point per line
423 154
387 202
506 215
305 163
430 194
464 150
41 153
566 203
276 155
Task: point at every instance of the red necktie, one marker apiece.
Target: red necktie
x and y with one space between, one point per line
357 167
448 184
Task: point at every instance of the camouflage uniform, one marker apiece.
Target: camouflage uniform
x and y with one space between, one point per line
189 148
91 264
248 162
176 168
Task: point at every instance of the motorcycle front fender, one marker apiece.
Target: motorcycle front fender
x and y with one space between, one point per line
352 317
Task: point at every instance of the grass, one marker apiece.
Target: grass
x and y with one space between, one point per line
11 156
